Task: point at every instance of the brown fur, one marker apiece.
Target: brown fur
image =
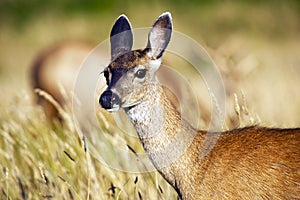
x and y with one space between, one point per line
248 163
129 60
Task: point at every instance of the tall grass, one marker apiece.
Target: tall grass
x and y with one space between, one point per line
42 161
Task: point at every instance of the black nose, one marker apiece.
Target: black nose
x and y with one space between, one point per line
108 99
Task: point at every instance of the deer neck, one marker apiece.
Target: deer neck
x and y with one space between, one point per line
164 135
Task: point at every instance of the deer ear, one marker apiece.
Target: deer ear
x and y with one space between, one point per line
159 35
121 38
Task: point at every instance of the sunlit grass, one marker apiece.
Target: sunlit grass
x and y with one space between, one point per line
40 161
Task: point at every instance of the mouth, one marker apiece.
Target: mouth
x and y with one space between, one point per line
130 105
114 108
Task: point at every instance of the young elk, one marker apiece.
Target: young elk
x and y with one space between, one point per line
247 163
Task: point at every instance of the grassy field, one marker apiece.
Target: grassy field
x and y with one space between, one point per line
255 45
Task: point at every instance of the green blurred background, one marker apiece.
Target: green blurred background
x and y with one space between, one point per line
29 26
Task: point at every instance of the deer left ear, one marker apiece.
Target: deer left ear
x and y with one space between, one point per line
121 37
159 35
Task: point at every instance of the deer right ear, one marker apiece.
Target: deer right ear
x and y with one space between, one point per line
121 37
159 35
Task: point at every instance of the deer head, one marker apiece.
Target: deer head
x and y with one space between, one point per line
131 72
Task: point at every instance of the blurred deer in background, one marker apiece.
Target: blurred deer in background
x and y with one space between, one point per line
247 163
54 71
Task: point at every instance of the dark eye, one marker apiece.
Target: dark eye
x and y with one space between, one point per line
106 75
140 73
